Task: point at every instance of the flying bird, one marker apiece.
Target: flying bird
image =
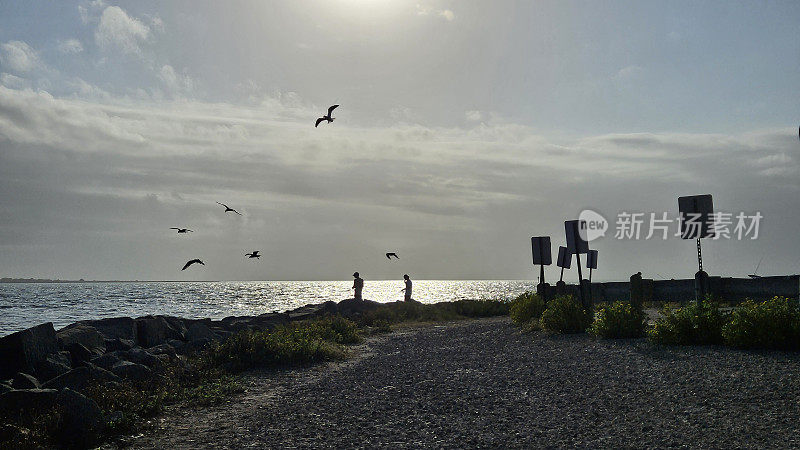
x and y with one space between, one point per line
189 263
252 255
229 209
328 117
182 230
389 255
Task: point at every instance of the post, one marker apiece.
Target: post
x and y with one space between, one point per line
580 282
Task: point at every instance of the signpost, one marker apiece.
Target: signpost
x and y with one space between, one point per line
576 245
540 247
696 212
591 262
564 261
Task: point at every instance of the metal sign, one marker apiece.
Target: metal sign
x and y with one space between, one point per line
575 243
696 216
541 250
564 258
591 259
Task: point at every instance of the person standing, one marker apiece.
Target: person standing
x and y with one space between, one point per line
358 285
407 289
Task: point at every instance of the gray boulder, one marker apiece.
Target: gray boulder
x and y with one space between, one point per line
79 354
80 419
132 371
106 361
18 401
139 356
77 379
198 331
112 328
24 381
155 330
115 344
56 364
351 306
25 350
83 334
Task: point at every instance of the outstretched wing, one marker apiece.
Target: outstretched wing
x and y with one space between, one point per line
330 110
318 121
188 263
190 231
388 256
174 228
237 212
223 204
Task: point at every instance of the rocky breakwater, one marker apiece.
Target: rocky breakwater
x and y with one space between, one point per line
43 370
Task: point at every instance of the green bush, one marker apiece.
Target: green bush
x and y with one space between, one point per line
526 309
773 323
619 320
698 323
564 314
296 343
413 311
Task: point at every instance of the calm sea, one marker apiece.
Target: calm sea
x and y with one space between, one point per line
23 305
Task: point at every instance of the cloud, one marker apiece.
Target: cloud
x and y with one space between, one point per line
473 116
176 83
14 82
118 31
70 46
445 14
19 56
629 73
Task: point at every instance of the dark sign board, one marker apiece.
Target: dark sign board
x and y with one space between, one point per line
564 258
591 259
696 216
541 250
575 243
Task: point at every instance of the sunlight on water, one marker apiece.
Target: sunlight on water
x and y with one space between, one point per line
26 304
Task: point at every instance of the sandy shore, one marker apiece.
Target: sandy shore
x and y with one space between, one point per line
482 383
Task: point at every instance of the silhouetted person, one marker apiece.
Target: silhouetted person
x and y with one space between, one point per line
389 255
407 289
229 209
358 285
328 117
194 261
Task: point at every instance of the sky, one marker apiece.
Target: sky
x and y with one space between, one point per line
465 128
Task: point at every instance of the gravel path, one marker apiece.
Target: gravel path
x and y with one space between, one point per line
484 384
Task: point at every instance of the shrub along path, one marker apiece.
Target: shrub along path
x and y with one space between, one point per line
483 383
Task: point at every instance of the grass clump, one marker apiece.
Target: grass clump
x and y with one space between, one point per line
564 314
526 310
385 315
698 323
619 320
773 324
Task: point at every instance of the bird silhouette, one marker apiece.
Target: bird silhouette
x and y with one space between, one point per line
189 263
252 255
327 117
229 209
389 255
182 230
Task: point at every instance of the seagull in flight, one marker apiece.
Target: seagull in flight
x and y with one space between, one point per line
327 117
252 255
182 230
189 263
229 209
389 255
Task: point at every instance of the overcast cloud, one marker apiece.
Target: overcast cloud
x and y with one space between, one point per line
120 121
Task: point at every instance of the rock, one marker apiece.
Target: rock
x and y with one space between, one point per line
263 322
101 374
106 361
17 401
83 334
24 381
115 344
79 354
139 356
155 330
132 371
352 306
77 379
179 346
80 419
112 328
25 350
198 331
55 365
163 349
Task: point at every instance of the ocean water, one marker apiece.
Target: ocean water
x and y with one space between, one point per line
23 305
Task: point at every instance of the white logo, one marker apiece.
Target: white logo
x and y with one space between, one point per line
591 225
